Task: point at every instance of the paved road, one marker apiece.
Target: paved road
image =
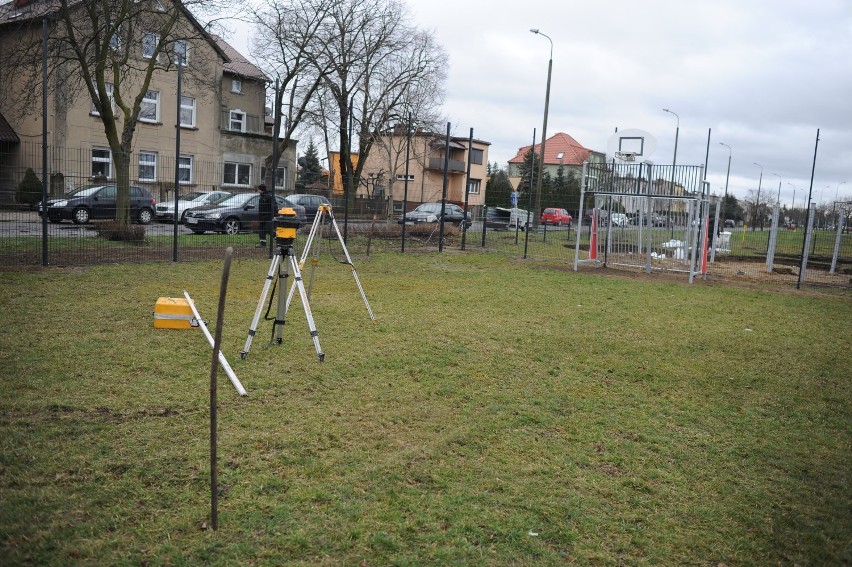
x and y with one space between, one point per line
28 223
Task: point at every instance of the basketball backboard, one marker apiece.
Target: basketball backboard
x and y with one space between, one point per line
631 145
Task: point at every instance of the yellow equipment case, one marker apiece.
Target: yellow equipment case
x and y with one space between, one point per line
173 313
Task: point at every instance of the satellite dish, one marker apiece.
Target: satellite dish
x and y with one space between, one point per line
628 145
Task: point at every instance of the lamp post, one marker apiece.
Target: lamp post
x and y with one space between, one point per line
757 201
727 177
779 189
543 130
834 206
793 204
674 163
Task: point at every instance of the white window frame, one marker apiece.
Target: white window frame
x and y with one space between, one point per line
473 186
239 170
150 40
185 165
280 176
236 86
104 157
147 162
109 89
187 104
401 177
151 100
183 51
241 121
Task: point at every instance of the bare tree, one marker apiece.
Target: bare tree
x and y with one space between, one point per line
287 33
375 68
93 51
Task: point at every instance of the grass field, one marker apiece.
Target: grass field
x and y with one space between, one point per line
495 413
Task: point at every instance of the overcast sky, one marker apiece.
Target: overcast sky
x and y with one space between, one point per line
759 75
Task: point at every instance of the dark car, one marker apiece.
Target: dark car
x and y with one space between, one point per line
235 214
98 202
431 212
310 202
556 216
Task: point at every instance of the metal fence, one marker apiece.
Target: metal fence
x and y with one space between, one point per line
776 255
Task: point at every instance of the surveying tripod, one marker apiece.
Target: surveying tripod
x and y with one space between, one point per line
322 212
286 225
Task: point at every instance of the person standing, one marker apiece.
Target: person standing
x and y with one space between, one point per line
265 207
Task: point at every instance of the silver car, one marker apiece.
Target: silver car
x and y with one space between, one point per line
166 210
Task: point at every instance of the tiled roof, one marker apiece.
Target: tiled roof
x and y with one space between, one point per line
17 13
7 133
573 153
239 65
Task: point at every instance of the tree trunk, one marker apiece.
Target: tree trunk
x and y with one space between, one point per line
122 182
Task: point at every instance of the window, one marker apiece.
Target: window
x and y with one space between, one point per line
101 163
115 42
187 111
237 174
402 177
236 86
147 166
150 110
111 100
237 121
149 44
280 176
476 156
181 52
185 169
473 186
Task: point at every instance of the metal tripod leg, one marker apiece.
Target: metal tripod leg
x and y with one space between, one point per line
351 265
298 283
308 244
314 262
273 271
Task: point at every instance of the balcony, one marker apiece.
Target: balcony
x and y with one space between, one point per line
454 165
243 123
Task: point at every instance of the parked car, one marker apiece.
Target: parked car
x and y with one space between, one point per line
98 202
165 211
431 212
659 220
587 216
729 223
556 216
310 202
235 214
619 219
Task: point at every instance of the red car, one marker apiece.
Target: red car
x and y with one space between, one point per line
556 216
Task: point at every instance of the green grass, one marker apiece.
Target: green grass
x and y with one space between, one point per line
496 413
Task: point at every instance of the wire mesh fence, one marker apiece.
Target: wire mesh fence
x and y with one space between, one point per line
650 225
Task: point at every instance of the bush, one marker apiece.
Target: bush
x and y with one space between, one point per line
114 230
29 190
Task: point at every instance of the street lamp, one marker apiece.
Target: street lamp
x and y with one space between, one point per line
757 201
727 177
793 204
543 128
834 206
674 163
779 189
